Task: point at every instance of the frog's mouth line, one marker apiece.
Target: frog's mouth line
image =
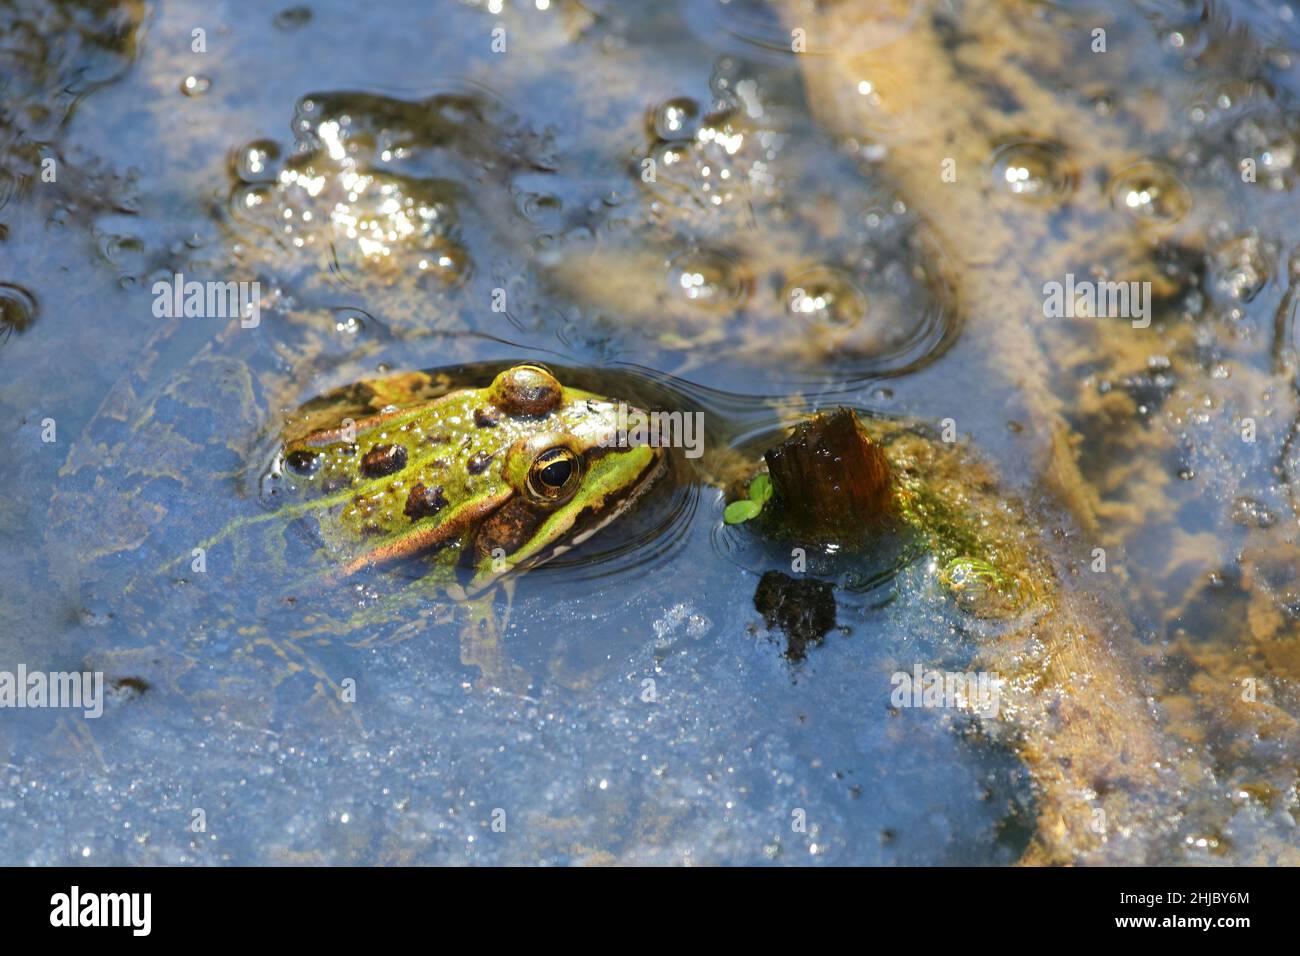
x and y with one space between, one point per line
585 524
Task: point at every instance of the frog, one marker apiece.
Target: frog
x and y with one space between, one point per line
501 478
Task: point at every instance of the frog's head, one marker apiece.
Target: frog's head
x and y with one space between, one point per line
565 475
508 475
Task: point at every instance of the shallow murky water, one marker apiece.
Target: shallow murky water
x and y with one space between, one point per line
665 203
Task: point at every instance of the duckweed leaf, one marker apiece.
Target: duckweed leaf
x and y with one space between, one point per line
739 511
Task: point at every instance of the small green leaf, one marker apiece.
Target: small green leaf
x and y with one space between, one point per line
760 490
739 511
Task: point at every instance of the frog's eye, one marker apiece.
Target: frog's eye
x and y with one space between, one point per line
554 474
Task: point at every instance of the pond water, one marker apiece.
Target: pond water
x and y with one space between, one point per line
746 209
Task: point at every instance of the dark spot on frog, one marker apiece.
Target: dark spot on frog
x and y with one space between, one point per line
803 610
486 417
478 463
509 528
303 461
422 502
439 439
383 460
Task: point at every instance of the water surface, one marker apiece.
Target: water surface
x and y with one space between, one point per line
387 176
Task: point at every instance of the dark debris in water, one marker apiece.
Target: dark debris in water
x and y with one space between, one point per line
131 686
803 610
1148 388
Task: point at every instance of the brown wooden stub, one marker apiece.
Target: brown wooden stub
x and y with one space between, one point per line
831 483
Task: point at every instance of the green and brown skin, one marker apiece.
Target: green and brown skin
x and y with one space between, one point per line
502 477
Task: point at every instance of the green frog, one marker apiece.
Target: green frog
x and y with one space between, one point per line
499 478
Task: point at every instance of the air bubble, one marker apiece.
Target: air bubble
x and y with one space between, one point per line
1238 269
541 209
1033 170
676 119
123 252
446 260
195 85
258 162
825 295
707 280
1151 192
349 324
332 196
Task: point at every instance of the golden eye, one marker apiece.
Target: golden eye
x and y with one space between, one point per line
554 474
